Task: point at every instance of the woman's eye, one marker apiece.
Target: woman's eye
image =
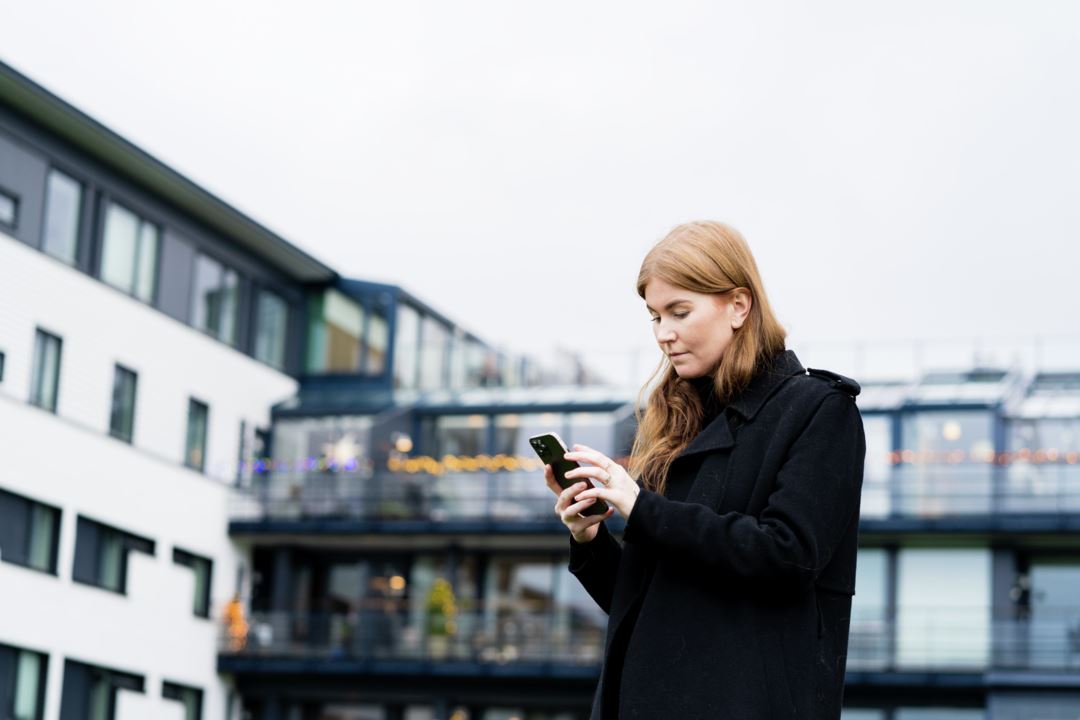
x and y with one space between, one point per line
681 315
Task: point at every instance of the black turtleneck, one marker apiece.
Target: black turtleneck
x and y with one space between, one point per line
704 387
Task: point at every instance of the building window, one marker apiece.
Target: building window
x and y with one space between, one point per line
90 691
378 342
337 325
434 354
45 382
122 417
129 255
214 299
943 588
101 554
63 204
871 626
9 210
22 683
460 435
513 430
202 567
189 697
271 325
406 348
946 464
195 444
29 532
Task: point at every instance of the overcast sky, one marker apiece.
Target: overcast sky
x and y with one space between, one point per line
907 170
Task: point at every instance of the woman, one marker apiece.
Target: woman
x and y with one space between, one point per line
730 593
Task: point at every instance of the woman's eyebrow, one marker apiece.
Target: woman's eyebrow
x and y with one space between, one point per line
670 305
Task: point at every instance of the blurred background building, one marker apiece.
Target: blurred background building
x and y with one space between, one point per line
238 485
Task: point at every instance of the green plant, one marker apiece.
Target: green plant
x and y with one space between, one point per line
441 609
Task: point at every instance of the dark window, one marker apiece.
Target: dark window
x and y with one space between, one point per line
29 532
1 366
90 691
202 567
271 322
101 554
129 253
195 444
45 383
214 299
122 417
22 683
63 203
9 210
189 696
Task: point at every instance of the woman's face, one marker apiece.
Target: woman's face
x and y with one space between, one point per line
693 329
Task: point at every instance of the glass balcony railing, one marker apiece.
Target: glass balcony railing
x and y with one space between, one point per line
499 636
964 639
939 639
938 490
451 496
907 491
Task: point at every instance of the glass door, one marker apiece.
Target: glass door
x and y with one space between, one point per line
1055 613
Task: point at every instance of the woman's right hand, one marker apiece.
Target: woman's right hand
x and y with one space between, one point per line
582 528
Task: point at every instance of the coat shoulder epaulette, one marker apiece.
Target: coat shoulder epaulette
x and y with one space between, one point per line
836 380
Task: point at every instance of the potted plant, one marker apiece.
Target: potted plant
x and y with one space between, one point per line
441 618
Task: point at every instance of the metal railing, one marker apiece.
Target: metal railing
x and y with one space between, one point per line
937 639
907 491
499 636
964 638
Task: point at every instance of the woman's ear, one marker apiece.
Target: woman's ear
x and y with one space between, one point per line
740 307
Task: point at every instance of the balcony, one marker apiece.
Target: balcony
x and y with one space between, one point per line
966 497
385 637
404 502
957 641
974 497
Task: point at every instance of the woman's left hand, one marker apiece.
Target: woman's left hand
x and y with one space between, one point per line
617 487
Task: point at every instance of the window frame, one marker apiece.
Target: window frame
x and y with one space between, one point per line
42 335
142 221
113 430
201 467
54 540
79 214
15 204
260 293
128 542
174 691
112 680
42 679
223 271
190 560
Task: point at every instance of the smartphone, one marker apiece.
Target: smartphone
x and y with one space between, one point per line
551 450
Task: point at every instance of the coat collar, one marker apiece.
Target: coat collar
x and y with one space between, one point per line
717 434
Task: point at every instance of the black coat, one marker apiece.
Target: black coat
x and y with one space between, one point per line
742 593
